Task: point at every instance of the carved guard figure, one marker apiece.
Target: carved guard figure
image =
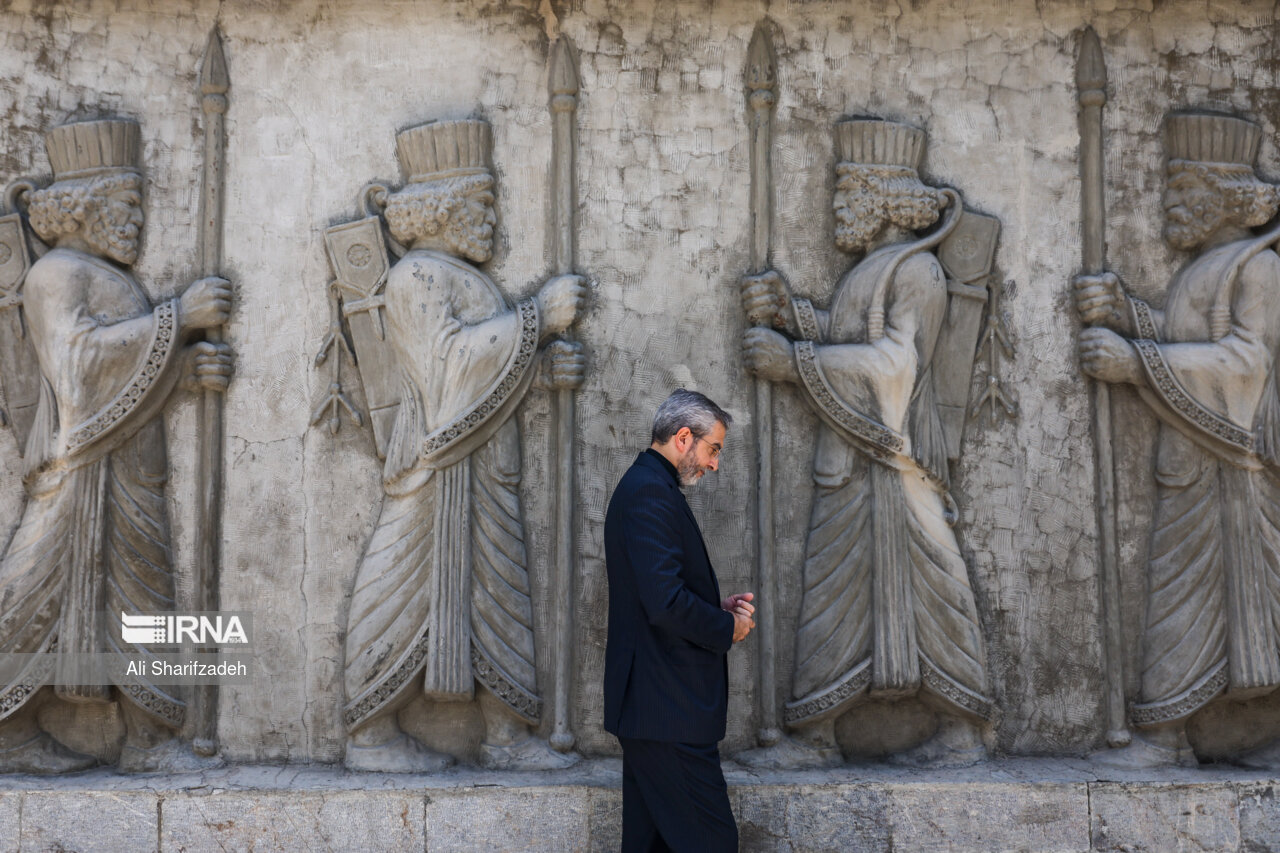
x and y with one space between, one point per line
94 536
887 610
1205 365
441 598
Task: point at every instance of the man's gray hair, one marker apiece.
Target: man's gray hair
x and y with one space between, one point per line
687 409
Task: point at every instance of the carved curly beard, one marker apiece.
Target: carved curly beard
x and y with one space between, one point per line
857 223
1185 231
119 242
470 238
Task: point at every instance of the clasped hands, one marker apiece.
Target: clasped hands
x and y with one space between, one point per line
1104 355
739 604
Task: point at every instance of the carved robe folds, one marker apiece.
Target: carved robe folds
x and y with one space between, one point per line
442 592
93 540
887 604
1214 575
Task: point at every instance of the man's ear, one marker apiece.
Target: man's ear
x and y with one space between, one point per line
683 437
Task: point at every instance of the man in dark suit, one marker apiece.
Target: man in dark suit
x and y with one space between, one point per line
666 684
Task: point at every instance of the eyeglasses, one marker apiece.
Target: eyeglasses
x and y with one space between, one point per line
715 448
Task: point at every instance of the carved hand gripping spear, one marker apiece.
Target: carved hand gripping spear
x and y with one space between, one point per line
761 86
1091 83
214 84
563 86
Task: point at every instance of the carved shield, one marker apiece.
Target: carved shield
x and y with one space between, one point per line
966 255
358 254
19 371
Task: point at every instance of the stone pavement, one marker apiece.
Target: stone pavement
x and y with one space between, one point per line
1012 805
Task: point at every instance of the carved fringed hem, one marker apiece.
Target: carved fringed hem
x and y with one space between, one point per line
1219 435
834 699
959 696
807 320
37 674
880 443
1176 397
151 700
526 705
442 440
1184 704
829 700
381 692
161 350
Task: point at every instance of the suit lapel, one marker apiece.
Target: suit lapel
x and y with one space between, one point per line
706 555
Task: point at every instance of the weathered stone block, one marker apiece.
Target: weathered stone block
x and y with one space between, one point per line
979 816
87 821
762 818
606 820
10 808
276 820
1163 818
509 820
1259 813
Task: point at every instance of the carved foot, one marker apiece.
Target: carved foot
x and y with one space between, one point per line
790 754
44 756
171 756
528 754
1142 754
401 754
938 752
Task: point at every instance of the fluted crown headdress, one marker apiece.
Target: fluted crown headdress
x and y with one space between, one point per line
1208 138
86 148
880 143
444 149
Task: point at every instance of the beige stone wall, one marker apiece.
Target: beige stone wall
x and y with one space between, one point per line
318 91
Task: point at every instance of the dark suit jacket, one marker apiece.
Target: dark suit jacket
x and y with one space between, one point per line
665 674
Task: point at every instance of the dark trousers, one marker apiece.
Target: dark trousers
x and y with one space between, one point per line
674 798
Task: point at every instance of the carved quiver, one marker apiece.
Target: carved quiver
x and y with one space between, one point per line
358 253
19 371
966 256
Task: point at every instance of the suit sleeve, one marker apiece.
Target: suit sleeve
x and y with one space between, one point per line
652 536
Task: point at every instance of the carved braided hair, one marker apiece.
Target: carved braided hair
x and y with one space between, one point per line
1247 199
64 207
901 197
423 210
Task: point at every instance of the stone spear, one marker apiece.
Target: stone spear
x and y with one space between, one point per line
214 84
563 86
761 86
1091 85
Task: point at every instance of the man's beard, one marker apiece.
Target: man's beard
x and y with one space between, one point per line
688 469
1185 232
119 243
856 226
470 239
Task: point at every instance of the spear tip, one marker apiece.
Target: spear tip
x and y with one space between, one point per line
762 63
563 79
1091 70
213 67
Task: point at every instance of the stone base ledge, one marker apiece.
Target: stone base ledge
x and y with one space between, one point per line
1020 804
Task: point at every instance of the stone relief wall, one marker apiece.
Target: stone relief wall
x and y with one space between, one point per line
319 91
